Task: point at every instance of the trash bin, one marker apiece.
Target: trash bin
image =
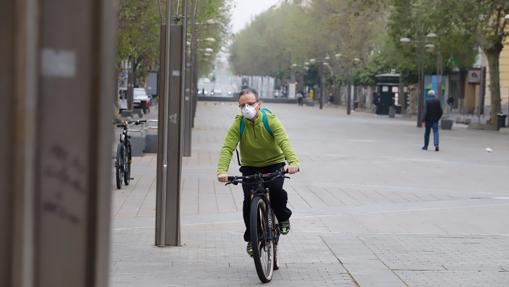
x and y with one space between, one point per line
392 112
501 121
446 124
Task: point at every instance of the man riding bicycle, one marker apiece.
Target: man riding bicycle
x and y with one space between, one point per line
264 147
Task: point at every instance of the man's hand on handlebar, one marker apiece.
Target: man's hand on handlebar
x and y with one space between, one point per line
223 177
292 169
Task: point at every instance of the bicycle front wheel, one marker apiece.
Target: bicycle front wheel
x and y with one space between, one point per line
275 234
127 166
119 162
260 228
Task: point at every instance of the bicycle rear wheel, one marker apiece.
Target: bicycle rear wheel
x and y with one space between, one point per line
260 227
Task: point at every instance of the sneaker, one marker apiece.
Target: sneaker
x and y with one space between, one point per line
284 227
424 148
249 249
436 148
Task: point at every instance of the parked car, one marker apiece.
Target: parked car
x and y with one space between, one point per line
141 100
202 92
216 93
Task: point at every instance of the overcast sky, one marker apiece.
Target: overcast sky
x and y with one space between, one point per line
245 10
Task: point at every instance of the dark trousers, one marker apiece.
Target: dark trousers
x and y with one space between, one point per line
278 196
429 126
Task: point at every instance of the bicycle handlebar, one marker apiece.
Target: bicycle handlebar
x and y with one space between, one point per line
125 123
265 177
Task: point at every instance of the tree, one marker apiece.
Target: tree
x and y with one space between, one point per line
138 36
492 32
415 19
354 29
139 29
292 33
270 43
469 22
212 19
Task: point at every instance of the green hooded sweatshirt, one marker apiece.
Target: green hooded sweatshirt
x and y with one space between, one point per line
258 148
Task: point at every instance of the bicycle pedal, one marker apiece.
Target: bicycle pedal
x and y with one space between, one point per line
132 178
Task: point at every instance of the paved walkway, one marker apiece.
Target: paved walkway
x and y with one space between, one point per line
370 208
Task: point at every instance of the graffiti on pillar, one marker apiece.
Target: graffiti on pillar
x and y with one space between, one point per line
173 118
67 173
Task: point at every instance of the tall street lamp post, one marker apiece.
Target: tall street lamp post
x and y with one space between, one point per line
194 43
420 45
322 62
296 75
434 46
350 84
348 67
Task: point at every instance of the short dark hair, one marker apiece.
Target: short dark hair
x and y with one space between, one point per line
248 91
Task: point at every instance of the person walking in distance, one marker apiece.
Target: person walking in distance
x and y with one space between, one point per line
432 114
300 98
450 103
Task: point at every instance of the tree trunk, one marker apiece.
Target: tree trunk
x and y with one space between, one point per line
136 63
130 86
493 62
115 98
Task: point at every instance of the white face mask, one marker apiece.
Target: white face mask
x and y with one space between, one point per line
249 112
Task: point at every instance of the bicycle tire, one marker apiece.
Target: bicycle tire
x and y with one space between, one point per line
260 228
127 165
275 234
118 166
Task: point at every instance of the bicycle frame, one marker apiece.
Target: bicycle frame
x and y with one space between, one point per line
264 193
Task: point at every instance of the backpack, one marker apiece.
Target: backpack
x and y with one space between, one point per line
264 120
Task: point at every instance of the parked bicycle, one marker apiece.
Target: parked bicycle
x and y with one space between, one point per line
263 224
123 156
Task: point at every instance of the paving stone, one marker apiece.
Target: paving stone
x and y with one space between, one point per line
369 208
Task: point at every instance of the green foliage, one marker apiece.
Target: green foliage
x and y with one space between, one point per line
415 19
369 30
293 34
138 35
213 18
139 31
491 31
268 45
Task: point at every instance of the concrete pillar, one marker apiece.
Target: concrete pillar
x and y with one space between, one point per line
186 90
55 149
169 163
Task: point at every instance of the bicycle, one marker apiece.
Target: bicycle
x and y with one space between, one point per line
263 225
123 156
